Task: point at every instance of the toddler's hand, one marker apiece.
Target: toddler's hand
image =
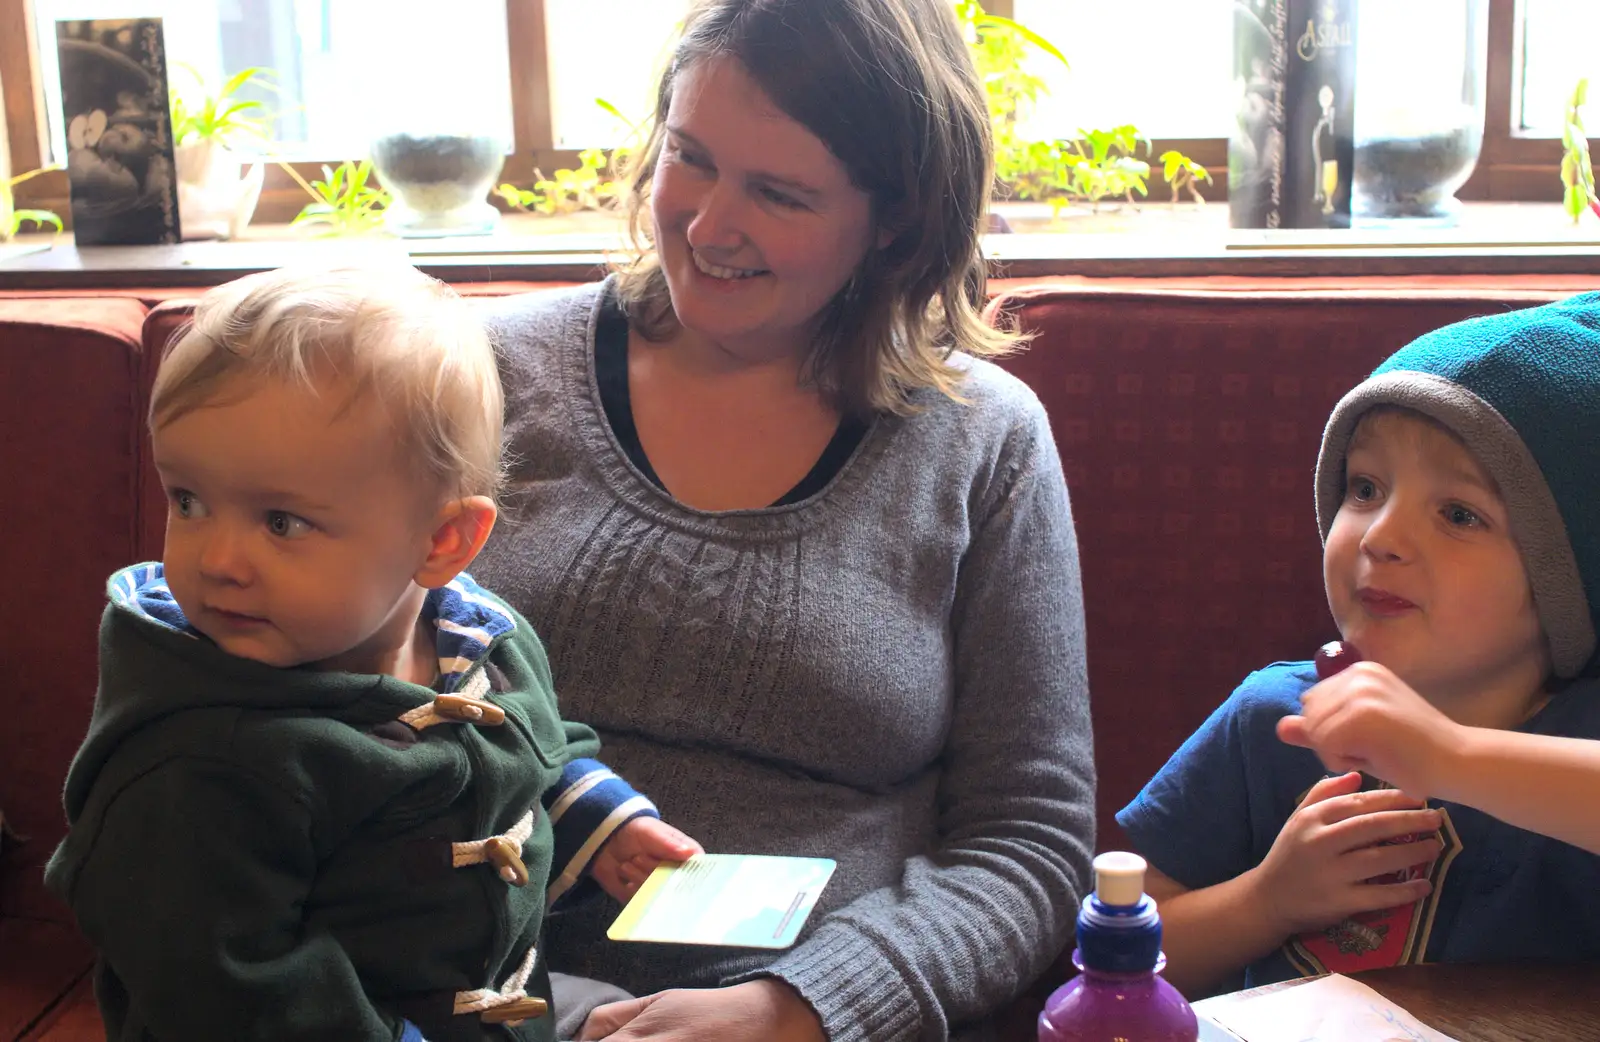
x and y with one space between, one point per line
634 851
1320 868
1365 718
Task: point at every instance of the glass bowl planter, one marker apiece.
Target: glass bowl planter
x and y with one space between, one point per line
440 182
1420 85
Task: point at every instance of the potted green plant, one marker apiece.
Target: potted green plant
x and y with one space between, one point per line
1577 171
592 185
347 201
1182 172
216 194
595 185
11 218
1092 166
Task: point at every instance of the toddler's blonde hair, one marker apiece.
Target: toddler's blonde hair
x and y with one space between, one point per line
390 331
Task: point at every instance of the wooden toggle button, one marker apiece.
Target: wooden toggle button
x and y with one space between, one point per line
514 1012
505 857
469 710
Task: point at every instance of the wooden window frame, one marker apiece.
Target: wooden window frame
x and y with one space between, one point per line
1511 167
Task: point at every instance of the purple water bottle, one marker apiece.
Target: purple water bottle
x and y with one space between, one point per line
1119 996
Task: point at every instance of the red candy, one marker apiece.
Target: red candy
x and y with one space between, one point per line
1334 657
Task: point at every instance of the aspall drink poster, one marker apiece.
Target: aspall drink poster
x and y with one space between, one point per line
1291 159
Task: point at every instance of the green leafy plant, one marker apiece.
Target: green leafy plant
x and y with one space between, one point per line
220 117
1093 166
569 191
595 185
1000 48
347 201
1182 172
1103 163
11 218
1577 172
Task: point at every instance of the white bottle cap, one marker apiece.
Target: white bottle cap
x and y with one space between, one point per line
1119 878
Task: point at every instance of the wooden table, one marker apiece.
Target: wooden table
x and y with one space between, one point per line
1524 1002
1510 1002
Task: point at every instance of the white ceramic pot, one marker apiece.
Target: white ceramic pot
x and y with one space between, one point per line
216 195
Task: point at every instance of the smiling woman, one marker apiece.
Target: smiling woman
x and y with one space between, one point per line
751 255
799 550
768 139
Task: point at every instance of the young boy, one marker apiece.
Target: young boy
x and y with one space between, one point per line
1456 492
326 792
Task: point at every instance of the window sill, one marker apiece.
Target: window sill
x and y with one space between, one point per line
1153 240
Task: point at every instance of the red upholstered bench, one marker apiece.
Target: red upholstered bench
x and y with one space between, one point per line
68 427
1187 412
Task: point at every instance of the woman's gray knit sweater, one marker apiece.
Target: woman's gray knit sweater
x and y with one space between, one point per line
889 673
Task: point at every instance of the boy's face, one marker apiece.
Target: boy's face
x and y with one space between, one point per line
294 526
1421 569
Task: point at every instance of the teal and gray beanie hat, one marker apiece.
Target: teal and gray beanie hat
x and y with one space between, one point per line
1522 391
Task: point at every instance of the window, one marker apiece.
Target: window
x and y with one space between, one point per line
1171 79
1558 49
531 70
345 72
619 65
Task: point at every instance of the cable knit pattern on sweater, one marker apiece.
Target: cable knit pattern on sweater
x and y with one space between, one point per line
889 673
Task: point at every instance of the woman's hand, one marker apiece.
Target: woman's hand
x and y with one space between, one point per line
765 1010
1324 864
634 851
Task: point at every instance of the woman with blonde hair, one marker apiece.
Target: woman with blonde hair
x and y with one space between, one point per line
801 554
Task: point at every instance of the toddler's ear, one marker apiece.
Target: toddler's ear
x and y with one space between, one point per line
461 528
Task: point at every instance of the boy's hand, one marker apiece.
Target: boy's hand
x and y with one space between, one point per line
634 851
1367 719
1317 870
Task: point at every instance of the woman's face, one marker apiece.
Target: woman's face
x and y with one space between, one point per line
757 224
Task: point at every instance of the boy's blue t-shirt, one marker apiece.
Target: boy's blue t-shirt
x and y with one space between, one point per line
1500 893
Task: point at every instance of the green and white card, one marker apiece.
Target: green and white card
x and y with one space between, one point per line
739 900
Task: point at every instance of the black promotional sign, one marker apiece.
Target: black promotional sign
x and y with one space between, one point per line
1292 157
119 131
